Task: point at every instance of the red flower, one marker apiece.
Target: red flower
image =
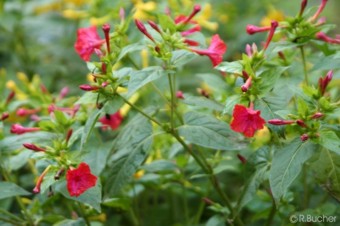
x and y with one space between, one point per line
246 120
113 120
215 51
80 179
87 41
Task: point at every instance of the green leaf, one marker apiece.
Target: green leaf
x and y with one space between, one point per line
91 121
11 143
9 189
287 164
230 104
96 154
208 131
133 145
234 67
92 196
329 140
130 48
48 180
61 118
269 79
262 160
166 22
202 102
121 203
140 78
160 166
78 222
327 172
113 105
328 63
181 57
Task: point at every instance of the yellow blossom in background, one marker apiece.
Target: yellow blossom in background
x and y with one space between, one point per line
54 6
262 137
126 108
19 94
203 18
139 174
98 21
142 8
101 217
77 2
145 58
22 77
74 14
272 14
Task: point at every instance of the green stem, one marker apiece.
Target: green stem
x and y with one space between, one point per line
271 214
83 214
17 198
172 102
140 111
302 50
305 187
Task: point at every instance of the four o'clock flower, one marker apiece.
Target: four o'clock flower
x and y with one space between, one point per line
22 112
320 9
80 179
273 26
106 29
33 147
113 121
19 129
323 82
142 28
280 122
36 189
215 51
303 6
88 40
246 120
322 36
87 87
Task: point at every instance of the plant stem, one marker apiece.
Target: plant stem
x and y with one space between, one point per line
17 198
172 102
141 111
302 50
83 214
271 214
305 187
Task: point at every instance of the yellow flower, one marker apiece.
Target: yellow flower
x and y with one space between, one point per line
126 108
272 14
145 58
54 6
101 217
19 94
76 2
142 8
74 14
98 21
203 18
139 174
22 77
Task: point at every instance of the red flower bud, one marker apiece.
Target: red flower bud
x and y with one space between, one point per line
106 29
301 123
191 42
33 147
68 135
154 26
274 25
179 94
64 91
36 189
22 112
19 129
10 97
195 10
322 36
142 28
252 29
247 85
242 159
320 9
317 115
87 87
304 137
4 116
303 6
279 122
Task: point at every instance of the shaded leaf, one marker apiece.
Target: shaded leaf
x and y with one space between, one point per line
287 164
9 189
202 102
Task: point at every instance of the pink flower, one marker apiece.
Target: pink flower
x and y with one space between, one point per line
179 94
304 137
142 28
317 115
87 41
246 85
19 129
246 120
87 87
22 112
113 121
322 36
323 82
80 179
320 9
274 25
215 51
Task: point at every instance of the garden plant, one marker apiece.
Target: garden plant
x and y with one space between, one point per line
165 127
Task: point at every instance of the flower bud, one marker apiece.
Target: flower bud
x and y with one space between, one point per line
304 137
279 122
179 94
87 87
19 129
317 115
301 123
34 147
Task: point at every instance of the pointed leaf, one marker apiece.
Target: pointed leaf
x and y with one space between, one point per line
287 164
208 131
9 189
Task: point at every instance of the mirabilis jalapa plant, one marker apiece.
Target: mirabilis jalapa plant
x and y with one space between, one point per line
291 108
